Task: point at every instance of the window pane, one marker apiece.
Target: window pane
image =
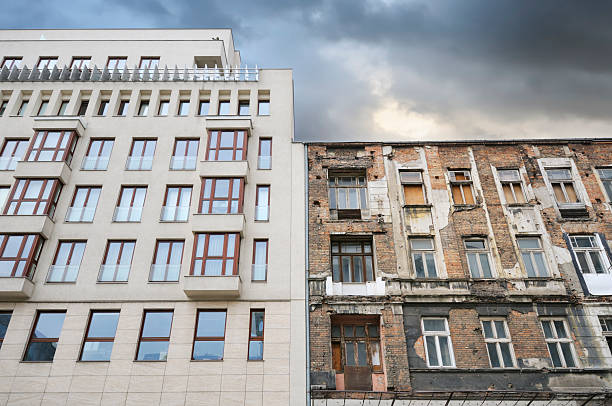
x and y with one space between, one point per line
508 193
369 269
257 324
362 358
430 342
484 263
208 350
256 350
419 267
526 243
153 351
559 196
554 355
499 329
571 194
97 351
560 327
157 324
38 351
567 355
350 353
445 351
596 260
421 244
547 329
539 259
375 346
528 265
103 325
488 329
5 318
434 325
431 265
493 355
211 324
475 244
506 354
582 261
49 325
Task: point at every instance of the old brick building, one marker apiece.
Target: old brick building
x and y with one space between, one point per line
473 270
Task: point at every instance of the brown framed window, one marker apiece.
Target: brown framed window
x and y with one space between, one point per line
141 155
118 62
13 151
100 335
98 154
117 261
167 260
224 108
243 108
62 108
226 146
149 62
461 187
22 107
347 194
264 158
143 109
44 336
164 105
352 260
123 107
512 186
83 107
11 61
84 203
4 193
260 260
263 108
103 107
19 254
356 343
215 254
5 319
221 195
130 203
185 154
256 335
262 203
48 62
154 335
42 109
3 105
67 261
176 203
80 62
203 108
209 340
34 197
183 108
414 190
56 146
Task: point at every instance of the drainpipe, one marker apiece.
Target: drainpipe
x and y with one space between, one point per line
306 276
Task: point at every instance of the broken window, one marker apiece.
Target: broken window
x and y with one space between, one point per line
438 346
559 343
356 343
511 185
563 185
423 261
605 174
499 344
461 187
347 194
414 191
589 254
478 257
606 328
352 261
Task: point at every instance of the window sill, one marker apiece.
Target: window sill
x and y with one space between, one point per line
111 282
162 282
255 360
459 207
149 360
116 115
60 283
92 361
78 222
206 360
418 206
519 205
35 362
174 221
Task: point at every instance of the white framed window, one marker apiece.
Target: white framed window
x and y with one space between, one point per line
512 186
412 185
559 342
499 344
563 185
589 254
438 345
606 329
423 257
347 194
605 175
532 256
477 253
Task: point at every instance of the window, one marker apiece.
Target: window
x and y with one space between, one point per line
262 203
559 343
19 254
243 108
54 146
414 191
130 204
511 185
224 107
163 107
98 154
477 254
154 335
143 109
216 254
256 335
533 257
100 335
438 346
203 107
4 193
149 62
33 197
499 345
141 155
183 109
116 62
67 261
260 260
12 152
46 62
22 107
589 254
221 196
605 174
3 104
563 185
80 62
461 187
605 321
264 160
185 154
347 195
263 108
83 107
352 261
176 204
5 319
11 61
209 340
44 336
423 257
84 202
123 107
103 108
42 109
226 146
167 260
62 108
356 342
117 261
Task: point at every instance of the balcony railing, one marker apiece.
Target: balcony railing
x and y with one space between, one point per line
95 163
264 162
114 273
165 272
157 74
178 163
259 272
8 163
139 163
63 273
174 213
262 213
80 214
126 214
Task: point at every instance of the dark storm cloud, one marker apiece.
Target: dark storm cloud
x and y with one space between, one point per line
400 69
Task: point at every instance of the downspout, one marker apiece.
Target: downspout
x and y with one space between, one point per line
306 276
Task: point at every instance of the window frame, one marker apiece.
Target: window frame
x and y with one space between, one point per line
221 106
153 339
256 338
260 157
87 339
22 143
178 199
596 248
180 110
438 334
423 252
267 257
462 184
362 254
79 60
99 157
241 104
229 199
148 60
168 257
49 203
87 196
201 103
224 258
559 341
605 177
185 166
477 252
563 185
359 184
531 252
12 60
64 273
117 61
31 260
405 183
142 163
496 341
131 209
197 338
46 61
258 207
511 184
264 101
118 263
10 314
60 154
32 339
357 321
235 149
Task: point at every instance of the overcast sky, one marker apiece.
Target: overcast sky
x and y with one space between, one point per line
395 69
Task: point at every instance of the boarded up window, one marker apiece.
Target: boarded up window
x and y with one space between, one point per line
511 185
412 182
461 187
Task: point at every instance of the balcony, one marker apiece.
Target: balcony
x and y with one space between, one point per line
80 214
114 273
218 223
174 213
43 169
16 288
139 163
183 163
8 163
127 214
16 224
165 272
230 169
95 163
203 287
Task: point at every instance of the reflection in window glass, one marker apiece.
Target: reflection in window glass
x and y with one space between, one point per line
210 335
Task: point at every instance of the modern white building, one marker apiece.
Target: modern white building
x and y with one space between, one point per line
152 229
